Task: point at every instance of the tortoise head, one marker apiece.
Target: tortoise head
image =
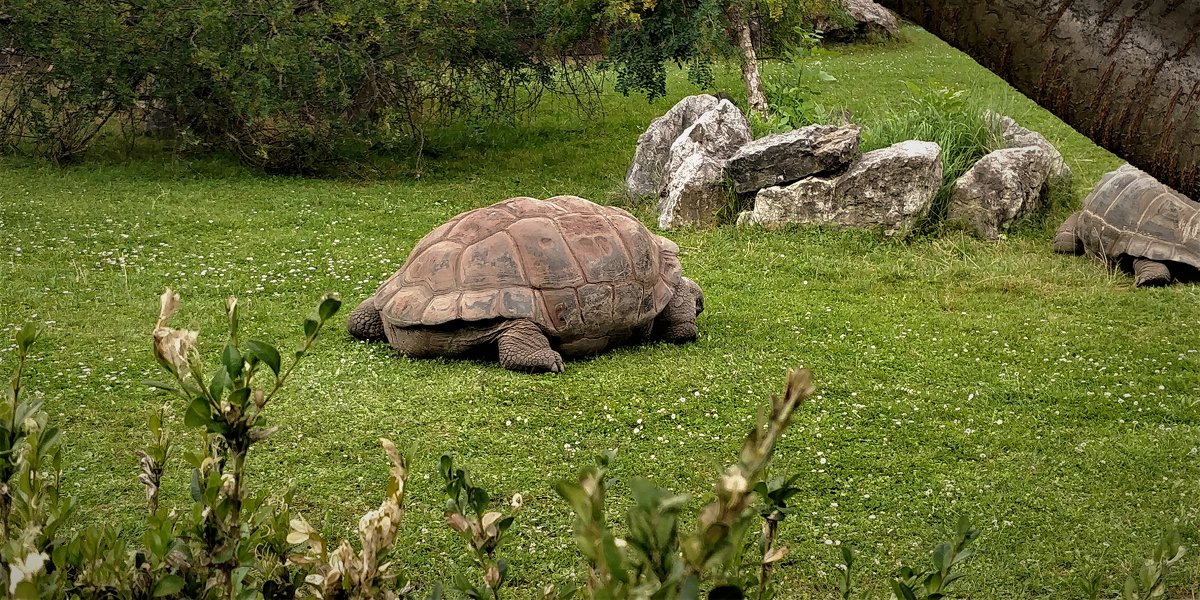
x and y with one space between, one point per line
691 288
365 322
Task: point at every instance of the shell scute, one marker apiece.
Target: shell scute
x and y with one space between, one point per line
627 299
524 206
517 303
433 237
577 205
597 248
596 301
435 267
442 309
480 224
641 246
479 305
544 254
562 309
491 263
406 306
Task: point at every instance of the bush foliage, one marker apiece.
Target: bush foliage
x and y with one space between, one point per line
302 86
286 85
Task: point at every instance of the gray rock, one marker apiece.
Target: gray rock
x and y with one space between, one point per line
695 194
866 18
645 175
694 179
783 158
1016 136
1000 188
891 188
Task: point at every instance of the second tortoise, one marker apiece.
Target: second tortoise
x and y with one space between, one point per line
1134 222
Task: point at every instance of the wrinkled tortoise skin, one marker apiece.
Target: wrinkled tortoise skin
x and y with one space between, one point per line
1134 222
588 276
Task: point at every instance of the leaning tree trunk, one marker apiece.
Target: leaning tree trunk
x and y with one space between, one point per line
740 25
1125 73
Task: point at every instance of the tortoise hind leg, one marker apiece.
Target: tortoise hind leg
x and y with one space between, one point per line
1065 239
1148 272
365 322
523 347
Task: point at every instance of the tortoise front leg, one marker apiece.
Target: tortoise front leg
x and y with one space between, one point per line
523 347
1148 272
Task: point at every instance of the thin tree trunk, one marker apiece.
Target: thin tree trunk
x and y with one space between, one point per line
754 88
1125 73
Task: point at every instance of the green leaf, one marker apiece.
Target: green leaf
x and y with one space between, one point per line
232 361
613 558
436 592
266 353
1131 588
479 500
941 557
26 590
26 336
575 496
155 423
196 488
198 413
690 590
219 382
502 565
240 397
902 591
49 440
310 327
328 307
160 385
168 585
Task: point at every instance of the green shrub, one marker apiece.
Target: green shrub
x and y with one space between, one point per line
793 89
285 85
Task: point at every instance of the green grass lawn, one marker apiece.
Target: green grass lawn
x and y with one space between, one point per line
1041 395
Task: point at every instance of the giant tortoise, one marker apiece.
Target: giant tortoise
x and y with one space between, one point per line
532 281
1137 224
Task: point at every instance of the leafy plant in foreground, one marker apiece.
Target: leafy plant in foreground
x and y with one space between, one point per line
933 584
232 543
230 530
467 513
654 560
1150 580
31 508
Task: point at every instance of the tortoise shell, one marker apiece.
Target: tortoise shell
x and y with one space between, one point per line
1132 215
575 268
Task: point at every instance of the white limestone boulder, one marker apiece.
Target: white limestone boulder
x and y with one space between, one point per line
891 188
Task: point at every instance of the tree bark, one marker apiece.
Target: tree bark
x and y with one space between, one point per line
1125 73
755 96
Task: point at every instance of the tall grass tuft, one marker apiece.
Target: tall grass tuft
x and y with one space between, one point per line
938 114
